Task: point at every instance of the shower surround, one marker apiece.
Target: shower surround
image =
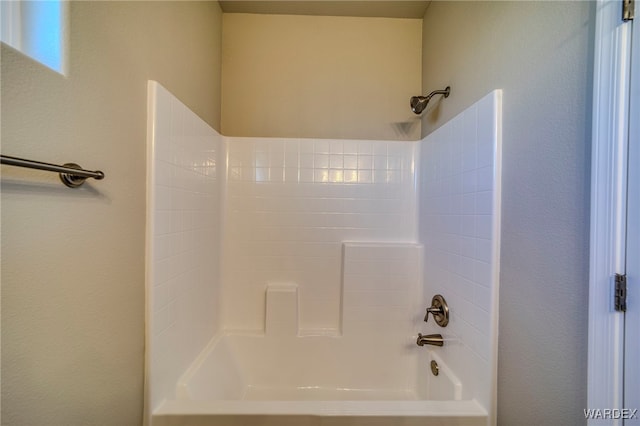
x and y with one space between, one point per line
285 277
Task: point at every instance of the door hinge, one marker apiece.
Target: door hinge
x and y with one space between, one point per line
628 10
620 298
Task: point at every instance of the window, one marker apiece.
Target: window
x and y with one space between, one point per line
37 29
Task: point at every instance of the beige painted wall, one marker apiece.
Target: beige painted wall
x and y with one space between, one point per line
320 76
73 260
540 54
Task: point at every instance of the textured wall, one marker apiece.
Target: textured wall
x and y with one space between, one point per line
539 53
320 77
73 260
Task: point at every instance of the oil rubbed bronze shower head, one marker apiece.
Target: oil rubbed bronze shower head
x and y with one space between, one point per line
419 103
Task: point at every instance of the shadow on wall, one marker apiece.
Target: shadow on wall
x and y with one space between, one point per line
433 112
404 129
10 186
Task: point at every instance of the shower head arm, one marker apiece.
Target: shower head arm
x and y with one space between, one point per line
444 92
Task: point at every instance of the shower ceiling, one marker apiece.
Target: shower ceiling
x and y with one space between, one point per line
385 9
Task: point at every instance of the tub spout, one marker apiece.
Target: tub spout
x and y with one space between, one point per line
430 339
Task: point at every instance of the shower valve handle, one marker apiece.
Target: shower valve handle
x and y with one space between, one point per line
434 312
439 309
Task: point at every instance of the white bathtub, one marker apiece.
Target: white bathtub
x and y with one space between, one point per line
245 380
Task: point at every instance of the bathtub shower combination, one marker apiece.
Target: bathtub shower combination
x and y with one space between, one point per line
288 279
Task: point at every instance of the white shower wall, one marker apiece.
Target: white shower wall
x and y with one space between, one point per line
291 203
185 172
459 226
333 229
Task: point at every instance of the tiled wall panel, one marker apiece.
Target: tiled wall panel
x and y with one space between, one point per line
459 225
184 211
382 294
291 204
